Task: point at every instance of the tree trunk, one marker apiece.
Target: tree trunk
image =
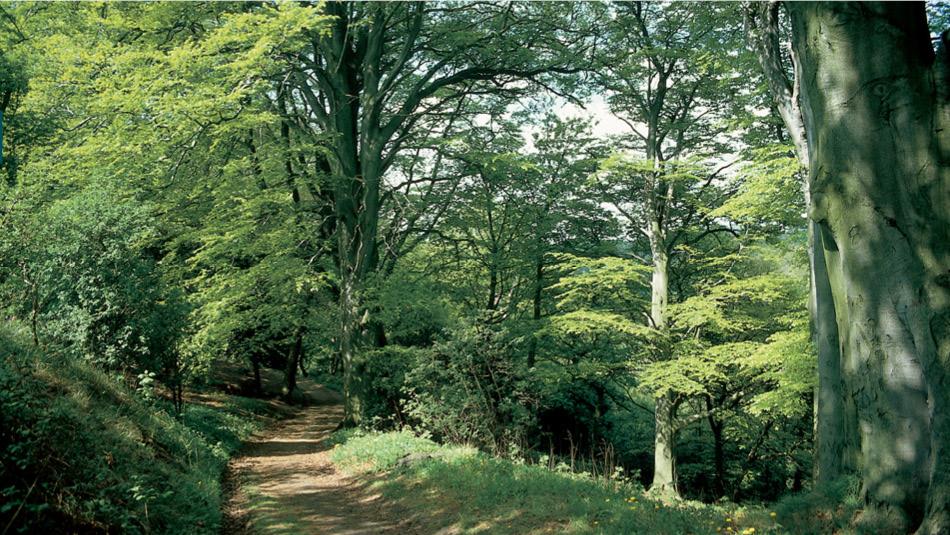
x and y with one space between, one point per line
493 298
659 290
349 342
719 461
293 362
664 473
880 197
836 445
34 316
719 454
258 386
664 462
536 310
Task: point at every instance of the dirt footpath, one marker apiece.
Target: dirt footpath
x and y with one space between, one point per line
283 482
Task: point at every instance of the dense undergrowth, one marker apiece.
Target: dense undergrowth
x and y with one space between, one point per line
471 492
81 452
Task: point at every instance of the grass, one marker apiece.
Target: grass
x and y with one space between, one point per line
80 452
461 489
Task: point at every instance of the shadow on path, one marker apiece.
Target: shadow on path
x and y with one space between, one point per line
283 482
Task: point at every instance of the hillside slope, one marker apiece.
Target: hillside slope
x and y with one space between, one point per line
81 452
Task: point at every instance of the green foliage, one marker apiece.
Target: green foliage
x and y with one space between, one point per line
88 282
184 186
357 451
79 451
467 390
770 194
827 509
384 372
411 312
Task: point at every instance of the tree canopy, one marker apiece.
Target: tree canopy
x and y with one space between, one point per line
699 241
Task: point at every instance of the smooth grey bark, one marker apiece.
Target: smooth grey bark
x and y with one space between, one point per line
664 460
835 443
876 123
664 436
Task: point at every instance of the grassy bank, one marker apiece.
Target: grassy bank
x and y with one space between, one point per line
470 492
81 452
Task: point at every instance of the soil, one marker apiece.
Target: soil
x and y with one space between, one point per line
284 482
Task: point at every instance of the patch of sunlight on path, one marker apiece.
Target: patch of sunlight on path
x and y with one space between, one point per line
283 482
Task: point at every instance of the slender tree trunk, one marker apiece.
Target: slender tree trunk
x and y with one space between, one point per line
293 362
719 455
664 461
34 317
258 386
659 290
536 309
493 298
880 196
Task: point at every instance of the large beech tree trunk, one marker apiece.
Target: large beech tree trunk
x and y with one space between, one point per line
836 445
876 123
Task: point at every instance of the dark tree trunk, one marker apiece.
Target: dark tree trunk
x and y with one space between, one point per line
293 363
536 311
257 386
719 455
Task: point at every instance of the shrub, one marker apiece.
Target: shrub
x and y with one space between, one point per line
89 281
384 374
469 390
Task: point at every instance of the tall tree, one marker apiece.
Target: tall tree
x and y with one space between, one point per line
672 93
874 99
380 74
835 442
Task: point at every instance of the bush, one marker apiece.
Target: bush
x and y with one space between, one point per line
469 390
89 281
830 508
384 374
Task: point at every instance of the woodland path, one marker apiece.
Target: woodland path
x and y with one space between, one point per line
283 482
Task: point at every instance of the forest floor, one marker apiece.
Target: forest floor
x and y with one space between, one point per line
297 476
284 482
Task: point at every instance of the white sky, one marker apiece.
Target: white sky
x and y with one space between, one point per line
605 124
